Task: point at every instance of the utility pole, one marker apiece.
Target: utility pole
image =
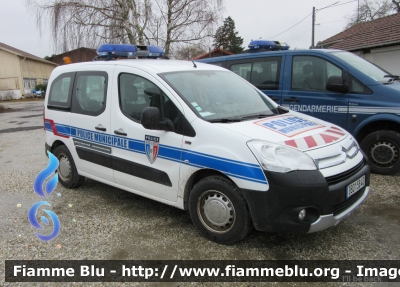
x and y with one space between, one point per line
157 31
312 28
313 21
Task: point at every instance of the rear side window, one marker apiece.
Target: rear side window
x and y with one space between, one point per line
61 90
264 74
90 92
243 70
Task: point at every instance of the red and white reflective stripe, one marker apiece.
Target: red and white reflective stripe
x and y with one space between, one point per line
330 135
54 129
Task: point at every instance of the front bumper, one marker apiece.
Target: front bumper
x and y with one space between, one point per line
326 221
324 199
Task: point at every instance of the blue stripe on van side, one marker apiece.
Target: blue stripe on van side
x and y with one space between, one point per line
63 129
47 126
237 169
243 170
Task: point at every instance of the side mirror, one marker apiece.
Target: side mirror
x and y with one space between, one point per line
151 120
337 84
166 125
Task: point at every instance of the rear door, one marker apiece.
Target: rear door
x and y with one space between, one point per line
90 122
304 89
265 73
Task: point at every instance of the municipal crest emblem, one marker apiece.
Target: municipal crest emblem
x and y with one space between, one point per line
151 145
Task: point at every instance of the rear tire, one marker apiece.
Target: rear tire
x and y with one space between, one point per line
219 211
67 174
383 151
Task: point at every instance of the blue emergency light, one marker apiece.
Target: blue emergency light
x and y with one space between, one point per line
117 50
128 51
151 52
256 45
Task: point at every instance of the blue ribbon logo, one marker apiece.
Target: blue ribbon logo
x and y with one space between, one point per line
41 177
35 223
38 188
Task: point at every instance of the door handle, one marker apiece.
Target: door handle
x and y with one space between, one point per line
120 132
274 99
100 128
292 100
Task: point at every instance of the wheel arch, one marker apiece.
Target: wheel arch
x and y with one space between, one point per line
376 123
56 144
195 178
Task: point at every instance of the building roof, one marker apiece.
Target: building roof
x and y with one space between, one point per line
214 53
78 55
380 32
21 53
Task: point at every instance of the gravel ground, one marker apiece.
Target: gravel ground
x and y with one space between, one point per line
103 222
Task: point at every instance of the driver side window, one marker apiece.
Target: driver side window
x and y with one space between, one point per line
311 73
137 93
132 97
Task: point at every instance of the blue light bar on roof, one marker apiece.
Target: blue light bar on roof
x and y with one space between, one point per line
152 52
268 45
117 50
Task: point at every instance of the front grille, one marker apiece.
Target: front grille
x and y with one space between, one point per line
345 175
339 208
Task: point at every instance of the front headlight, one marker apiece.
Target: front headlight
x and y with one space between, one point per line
280 158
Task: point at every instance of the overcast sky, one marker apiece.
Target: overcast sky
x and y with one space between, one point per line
253 19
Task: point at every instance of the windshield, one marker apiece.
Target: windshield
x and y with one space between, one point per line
220 95
364 66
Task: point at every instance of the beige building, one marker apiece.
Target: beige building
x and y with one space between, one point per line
20 72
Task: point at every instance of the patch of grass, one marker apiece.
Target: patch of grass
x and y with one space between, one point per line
2 107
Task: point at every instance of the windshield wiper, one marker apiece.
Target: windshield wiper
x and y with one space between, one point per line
392 78
282 110
395 77
224 120
259 116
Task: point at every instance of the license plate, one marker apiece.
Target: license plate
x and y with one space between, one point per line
355 186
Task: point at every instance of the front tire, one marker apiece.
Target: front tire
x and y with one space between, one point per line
67 174
383 151
219 211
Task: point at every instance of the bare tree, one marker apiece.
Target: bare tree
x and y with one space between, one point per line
77 23
187 21
396 6
187 52
372 9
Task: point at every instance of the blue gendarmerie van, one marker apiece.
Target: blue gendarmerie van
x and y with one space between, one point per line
333 85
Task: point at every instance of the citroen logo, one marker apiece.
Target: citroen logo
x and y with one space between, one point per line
352 150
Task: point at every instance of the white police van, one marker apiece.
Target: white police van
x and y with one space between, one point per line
201 138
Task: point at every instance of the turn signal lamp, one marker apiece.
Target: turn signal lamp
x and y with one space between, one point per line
67 60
